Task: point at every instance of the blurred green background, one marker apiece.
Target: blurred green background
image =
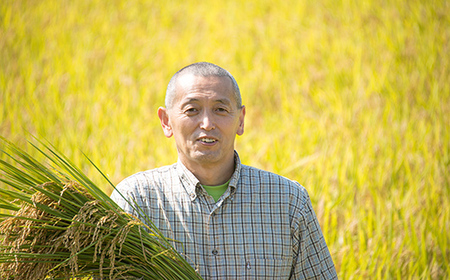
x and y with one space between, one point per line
349 98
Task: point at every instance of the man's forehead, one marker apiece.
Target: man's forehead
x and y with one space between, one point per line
189 84
190 79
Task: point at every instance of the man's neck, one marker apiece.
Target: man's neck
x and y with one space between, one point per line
212 174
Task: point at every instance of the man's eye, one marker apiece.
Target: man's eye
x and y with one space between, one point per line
222 110
191 110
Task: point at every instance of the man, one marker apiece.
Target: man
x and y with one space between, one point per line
232 221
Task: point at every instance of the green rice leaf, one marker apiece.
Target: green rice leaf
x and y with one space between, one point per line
62 225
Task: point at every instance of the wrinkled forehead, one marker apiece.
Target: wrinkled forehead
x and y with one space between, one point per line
221 86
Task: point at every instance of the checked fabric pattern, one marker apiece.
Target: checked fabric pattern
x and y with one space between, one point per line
263 226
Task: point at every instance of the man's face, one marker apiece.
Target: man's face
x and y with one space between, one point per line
204 120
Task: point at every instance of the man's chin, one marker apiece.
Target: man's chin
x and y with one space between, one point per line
207 157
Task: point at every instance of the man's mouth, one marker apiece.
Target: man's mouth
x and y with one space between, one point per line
207 140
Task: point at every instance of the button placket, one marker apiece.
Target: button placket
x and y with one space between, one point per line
215 252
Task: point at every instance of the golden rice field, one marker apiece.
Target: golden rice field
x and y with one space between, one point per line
349 98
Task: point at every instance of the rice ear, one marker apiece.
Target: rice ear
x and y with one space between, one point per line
68 228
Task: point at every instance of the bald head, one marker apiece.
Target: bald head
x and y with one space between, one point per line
202 69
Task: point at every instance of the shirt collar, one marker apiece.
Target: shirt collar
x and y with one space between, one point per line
237 172
192 184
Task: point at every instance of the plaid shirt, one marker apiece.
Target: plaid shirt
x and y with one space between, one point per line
263 226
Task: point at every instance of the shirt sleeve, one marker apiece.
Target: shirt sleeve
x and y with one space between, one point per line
121 196
312 259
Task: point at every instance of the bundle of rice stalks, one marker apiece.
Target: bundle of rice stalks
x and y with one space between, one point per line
55 223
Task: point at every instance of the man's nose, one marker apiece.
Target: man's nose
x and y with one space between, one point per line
207 121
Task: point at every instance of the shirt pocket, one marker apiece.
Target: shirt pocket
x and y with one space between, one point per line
258 268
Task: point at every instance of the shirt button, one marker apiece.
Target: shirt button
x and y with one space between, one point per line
215 252
192 196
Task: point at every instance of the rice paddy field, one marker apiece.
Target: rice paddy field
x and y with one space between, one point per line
349 98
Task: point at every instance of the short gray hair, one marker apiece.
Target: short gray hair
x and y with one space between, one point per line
202 69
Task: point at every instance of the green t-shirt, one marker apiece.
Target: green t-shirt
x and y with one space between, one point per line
216 191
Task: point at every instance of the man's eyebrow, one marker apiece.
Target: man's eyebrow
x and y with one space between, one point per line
224 101
190 100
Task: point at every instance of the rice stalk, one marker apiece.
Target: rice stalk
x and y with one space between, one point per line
60 225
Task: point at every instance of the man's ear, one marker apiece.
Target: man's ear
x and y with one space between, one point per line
165 123
240 130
